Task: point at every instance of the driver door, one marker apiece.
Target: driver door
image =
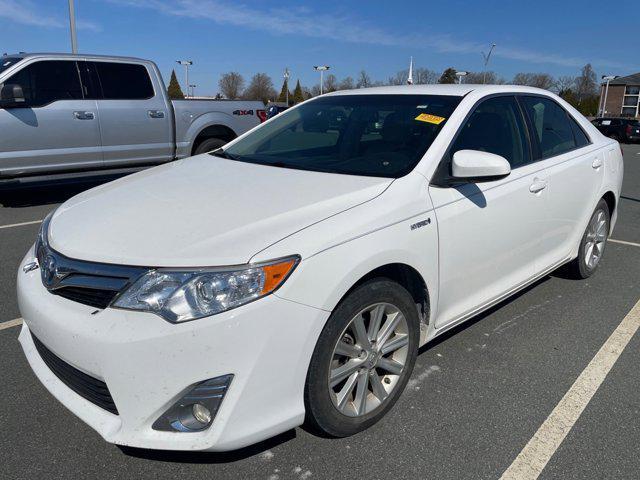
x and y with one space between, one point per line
489 233
56 129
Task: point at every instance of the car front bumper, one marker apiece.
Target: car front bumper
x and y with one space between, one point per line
148 364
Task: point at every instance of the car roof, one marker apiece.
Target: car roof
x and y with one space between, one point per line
72 56
441 89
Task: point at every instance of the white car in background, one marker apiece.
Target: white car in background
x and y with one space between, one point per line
219 300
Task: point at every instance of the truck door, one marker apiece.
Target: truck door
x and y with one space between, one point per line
56 128
135 118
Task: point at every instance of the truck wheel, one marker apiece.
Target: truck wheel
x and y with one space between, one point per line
363 359
209 145
592 243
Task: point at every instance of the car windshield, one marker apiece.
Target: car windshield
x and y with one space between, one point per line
369 135
6 62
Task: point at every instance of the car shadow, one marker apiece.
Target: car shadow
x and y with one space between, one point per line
209 457
47 193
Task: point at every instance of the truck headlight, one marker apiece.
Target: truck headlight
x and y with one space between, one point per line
179 295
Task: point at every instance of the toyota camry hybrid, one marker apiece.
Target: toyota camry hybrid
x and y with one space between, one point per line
290 276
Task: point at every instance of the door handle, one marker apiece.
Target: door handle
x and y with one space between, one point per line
84 115
155 113
597 163
537 185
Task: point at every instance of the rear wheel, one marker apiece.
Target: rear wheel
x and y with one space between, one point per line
209 145
592 243
363 359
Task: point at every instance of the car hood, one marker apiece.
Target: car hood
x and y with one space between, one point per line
201 211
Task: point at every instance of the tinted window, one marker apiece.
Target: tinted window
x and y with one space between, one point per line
579 135
6 62
48 81
551 126
371 135
496 126
122 81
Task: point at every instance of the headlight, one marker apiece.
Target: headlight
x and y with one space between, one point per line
179 295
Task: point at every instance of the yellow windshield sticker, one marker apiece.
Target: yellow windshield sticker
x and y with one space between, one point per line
427 117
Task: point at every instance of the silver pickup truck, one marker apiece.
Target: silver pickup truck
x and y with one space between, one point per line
63 115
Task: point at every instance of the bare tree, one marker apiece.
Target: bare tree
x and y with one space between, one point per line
260 88
364 80
346 84
586 83
564 83
231 84
330 83
315 90
400 78
490 78
424 76
538 80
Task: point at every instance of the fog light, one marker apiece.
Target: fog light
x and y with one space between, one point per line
196 409
201 413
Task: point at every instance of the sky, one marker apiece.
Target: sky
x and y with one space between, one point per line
556 37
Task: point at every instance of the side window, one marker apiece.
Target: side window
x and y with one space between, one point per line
48 81
124 81
551 127
496 126
581 138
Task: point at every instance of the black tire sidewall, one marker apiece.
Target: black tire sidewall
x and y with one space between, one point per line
208 145
321 413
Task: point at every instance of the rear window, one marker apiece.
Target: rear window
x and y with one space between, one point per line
369 135
124 81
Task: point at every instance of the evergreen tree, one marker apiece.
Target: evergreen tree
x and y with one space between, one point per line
448 76
174 90
298 96
284 91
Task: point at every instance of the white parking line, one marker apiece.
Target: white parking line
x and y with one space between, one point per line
536 454
623 242
11 323
20 224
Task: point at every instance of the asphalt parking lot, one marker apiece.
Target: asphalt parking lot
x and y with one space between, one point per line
476 398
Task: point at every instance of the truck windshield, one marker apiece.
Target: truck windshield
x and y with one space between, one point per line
362 134
6 62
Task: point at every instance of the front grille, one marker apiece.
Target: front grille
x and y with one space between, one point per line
88 296
92 389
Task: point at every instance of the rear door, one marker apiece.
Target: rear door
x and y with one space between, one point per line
488 232
135 120
574 169
58 127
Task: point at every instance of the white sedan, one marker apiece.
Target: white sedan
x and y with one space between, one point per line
219 300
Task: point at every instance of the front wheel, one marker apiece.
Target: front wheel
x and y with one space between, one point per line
363 359
592 243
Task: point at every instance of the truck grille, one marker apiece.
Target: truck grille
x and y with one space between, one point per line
89 388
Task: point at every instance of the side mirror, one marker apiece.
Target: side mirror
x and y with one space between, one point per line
12 96
477 166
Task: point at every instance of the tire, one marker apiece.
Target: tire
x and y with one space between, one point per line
209 145
600 221
326 414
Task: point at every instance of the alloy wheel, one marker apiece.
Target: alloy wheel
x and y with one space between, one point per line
368 359
595 239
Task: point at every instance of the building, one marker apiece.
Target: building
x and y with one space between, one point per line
623 97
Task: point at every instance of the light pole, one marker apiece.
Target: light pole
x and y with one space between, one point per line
486 57
286 84
606 78
72 27
461 75
186 64
193 89
321 69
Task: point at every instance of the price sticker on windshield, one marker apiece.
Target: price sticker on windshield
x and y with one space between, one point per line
428 118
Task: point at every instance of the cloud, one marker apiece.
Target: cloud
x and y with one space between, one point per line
340 27
26 13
